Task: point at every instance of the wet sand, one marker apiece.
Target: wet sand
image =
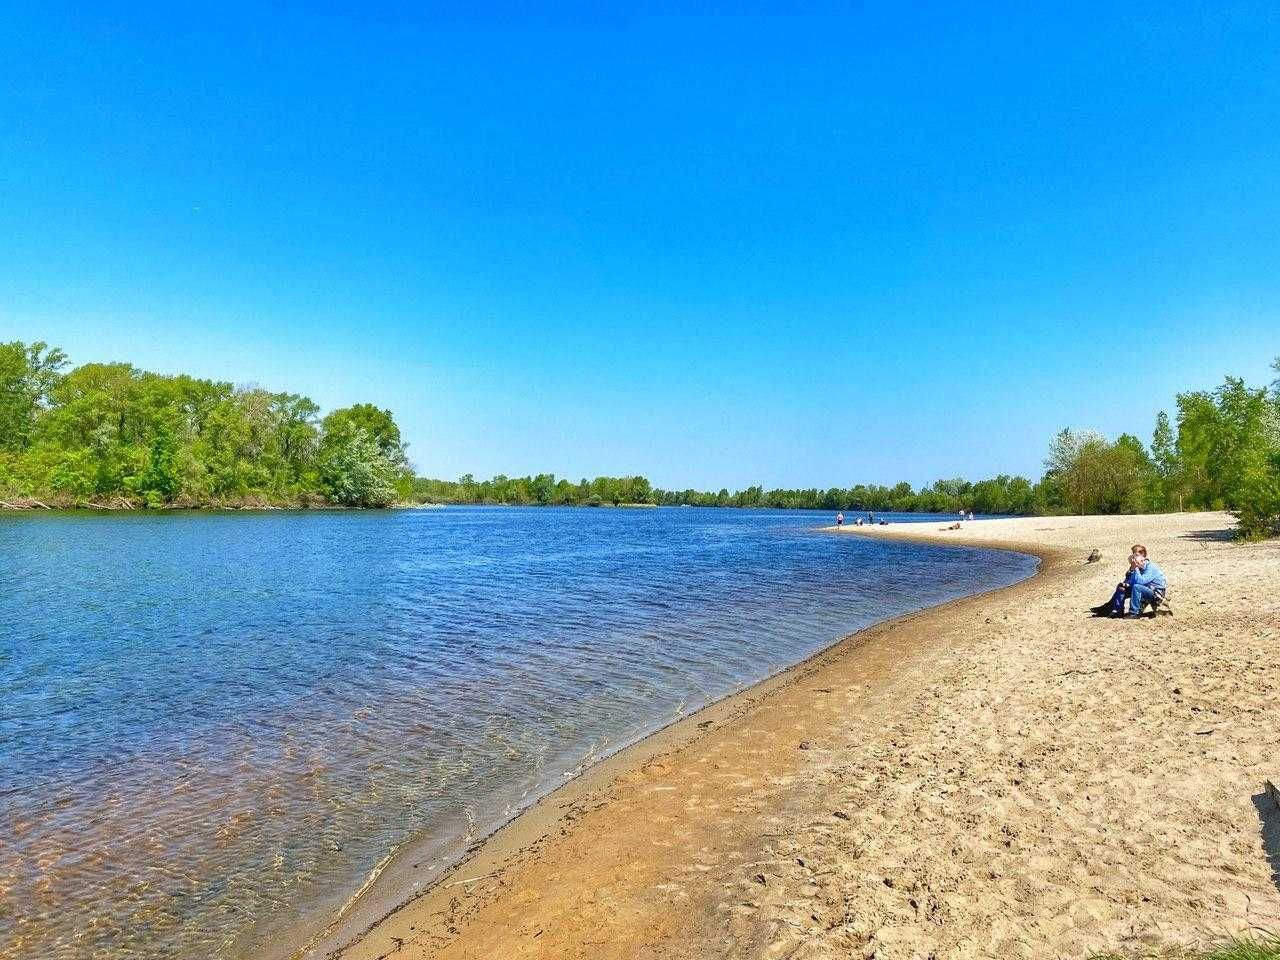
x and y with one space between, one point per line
1001 776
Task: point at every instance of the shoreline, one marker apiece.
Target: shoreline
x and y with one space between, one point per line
392 889
118 503
22 506
948 781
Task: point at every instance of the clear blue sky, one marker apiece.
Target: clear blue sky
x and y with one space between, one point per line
861 243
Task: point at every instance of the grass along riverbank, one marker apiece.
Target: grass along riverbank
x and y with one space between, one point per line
1265 947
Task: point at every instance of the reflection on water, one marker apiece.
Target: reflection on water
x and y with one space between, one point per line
213 725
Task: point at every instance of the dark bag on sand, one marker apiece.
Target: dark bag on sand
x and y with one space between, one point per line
1106 609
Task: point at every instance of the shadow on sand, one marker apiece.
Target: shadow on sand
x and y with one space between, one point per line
1211 536
1269 813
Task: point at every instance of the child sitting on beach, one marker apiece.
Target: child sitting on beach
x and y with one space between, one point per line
1144 584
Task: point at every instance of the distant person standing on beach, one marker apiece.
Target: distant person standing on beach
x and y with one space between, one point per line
839 519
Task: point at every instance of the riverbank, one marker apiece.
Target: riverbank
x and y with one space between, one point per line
115 504
118 502
1000 776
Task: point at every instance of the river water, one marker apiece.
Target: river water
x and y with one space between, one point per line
214 726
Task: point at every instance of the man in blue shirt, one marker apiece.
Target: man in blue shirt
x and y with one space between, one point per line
1142 584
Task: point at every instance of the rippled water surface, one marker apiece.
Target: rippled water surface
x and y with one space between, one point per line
214 726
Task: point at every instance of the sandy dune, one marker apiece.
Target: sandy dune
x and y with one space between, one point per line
999 777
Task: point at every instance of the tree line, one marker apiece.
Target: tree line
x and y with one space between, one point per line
110 434
1001 494
104 434
1221 453
541 490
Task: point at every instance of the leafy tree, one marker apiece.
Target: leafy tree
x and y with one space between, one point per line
542 488
1163 453
1165 489
1259 501
1229 445
379 425
1003 494
357 472
296 431
110 429
1132 471
161 482
28 374
1224 441
1092 475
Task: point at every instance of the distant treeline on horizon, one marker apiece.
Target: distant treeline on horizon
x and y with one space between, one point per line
1223 455
1001 494
110 434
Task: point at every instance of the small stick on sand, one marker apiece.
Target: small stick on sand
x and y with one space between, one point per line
472 880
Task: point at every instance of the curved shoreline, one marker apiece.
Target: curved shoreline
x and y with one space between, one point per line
392 892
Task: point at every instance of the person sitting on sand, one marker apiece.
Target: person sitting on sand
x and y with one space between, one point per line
1143 584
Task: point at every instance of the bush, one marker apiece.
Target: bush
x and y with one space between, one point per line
356 473
1259 504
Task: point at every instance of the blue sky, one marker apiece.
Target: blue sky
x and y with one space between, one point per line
860 243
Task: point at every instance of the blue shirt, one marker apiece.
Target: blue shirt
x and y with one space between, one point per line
1149 575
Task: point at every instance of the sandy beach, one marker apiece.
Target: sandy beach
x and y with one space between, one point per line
1002 776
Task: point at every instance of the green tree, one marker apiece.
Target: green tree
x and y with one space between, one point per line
1165 484
357 473
160 482
28 375
377 424
542 488
1259 501
1225 442
112 429
297 433
1092 475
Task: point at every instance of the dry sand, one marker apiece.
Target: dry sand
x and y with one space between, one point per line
998 777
